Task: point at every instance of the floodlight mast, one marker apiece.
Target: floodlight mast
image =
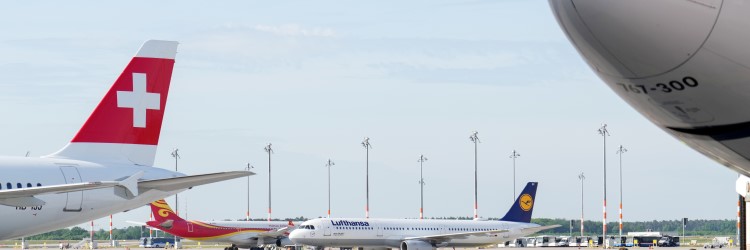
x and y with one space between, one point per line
514 155
475 139
247 214
604 133
581 177
176 155
329 164
621 151
421 161
269 151
366 144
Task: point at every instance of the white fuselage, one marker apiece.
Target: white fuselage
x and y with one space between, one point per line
391 232
68 209
684 65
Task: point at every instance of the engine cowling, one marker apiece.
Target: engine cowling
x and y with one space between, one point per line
282 242
416 245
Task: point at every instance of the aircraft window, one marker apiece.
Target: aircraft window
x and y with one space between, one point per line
10 186
312 227
28 185
19 185
39 184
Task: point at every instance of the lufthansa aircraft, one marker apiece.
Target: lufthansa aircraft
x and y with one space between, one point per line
242 234
416 234
684 65
107 167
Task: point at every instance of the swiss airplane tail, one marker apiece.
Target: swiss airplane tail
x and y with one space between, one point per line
524 205
162 212
125 126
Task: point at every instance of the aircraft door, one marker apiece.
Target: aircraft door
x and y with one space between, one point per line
380 230
190 227
327 230
74 199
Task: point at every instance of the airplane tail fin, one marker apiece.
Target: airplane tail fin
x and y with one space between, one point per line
125 126
163 213
524 205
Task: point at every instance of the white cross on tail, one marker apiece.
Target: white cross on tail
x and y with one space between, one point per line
139 100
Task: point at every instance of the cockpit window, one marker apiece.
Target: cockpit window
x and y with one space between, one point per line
308 227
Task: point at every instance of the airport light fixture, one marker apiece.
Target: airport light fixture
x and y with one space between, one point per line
421 161
269 150
366 144
604 133
475 139
621 151
247 214
176 155
329 164
581 177
514 155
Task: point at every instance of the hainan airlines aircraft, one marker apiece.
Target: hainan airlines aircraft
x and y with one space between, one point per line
416 234
241 234
107 167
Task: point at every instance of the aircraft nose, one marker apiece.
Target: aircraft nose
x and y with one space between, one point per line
636 38
296 236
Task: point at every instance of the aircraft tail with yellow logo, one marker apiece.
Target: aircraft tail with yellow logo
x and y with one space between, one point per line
162 212
524 205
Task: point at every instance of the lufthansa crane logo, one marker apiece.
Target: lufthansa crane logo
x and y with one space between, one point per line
526 202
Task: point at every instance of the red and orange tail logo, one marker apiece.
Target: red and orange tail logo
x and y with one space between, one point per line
162 211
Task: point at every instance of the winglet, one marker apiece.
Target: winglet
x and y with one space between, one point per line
524 205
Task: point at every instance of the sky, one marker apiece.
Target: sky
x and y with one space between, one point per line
315 77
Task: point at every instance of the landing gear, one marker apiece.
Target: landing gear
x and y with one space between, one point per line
233 247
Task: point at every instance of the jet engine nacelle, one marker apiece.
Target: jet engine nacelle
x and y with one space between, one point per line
416 245
282 242
684 65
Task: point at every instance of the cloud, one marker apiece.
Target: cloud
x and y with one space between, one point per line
295 30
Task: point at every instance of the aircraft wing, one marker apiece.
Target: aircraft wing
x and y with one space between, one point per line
278 232
183 182
24 197
275 233
455 236
531 230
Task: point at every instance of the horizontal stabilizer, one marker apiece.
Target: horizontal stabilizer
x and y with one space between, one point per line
177 183
136 223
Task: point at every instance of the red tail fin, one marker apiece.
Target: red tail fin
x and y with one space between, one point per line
162 212
125 126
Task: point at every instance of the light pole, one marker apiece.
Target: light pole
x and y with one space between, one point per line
366 144
581 177
604 133
176 156
247 215
621 151
269 150
421 161
329 164
475 139
514 155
